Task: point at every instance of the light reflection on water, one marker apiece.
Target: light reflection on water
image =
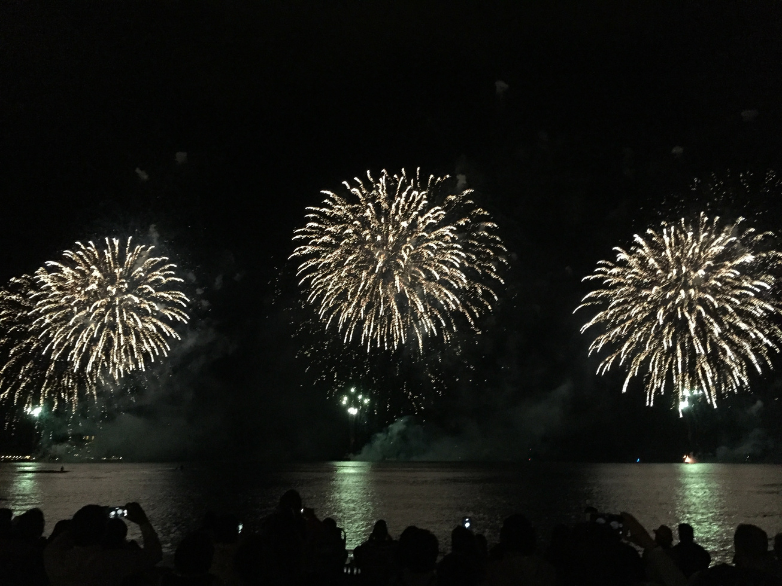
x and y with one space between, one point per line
713 498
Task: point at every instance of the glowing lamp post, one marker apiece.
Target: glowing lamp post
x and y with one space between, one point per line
687 401
353 404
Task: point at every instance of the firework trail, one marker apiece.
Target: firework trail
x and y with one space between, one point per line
92 317
393 261
690 307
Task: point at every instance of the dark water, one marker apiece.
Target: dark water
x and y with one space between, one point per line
714 498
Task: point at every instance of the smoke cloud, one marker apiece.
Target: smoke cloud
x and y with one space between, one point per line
512 434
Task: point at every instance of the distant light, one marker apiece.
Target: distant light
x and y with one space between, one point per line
34 411
366 401
638 460
353 390
352 410
359 397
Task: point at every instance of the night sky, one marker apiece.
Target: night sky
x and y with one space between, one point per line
275 101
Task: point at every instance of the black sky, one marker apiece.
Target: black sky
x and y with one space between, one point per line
274 101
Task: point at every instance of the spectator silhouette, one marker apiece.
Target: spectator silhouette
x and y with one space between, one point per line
281 544
59 527
5 523
376 557
21 553
688 555
77 557
753 564
225 531
556 554
417 557
663 536
257 563
192 560
514 560
115 535
463 566
596 556
329 551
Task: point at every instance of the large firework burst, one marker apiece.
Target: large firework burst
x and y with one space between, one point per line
690 307
108 309
394 260
90 318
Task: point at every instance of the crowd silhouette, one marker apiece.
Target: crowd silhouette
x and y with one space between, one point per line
292 547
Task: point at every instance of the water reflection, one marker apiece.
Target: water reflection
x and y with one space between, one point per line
714 498
699 501
21 488
352 500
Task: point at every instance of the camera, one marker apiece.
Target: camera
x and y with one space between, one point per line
116 512
467 523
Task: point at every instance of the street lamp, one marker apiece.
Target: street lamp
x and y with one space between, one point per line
353 404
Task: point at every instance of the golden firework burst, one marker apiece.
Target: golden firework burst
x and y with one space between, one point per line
396 260
690 308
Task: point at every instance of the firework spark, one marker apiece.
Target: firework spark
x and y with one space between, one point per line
90 318
393 260
690 306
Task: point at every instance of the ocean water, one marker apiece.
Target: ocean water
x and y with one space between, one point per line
713 498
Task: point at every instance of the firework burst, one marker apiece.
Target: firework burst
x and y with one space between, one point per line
108 309
690 308
393 261
86 320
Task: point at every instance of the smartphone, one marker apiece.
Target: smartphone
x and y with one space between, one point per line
115 512
615 522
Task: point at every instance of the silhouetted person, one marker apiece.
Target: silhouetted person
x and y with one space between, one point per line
330 548
556 553
663 536
417 557
377 555
514 560
192 561
597 556
5 523
284 535
21 555
753 564
115 534
463 566
688 555
225 531
77 557
59 527
258 563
